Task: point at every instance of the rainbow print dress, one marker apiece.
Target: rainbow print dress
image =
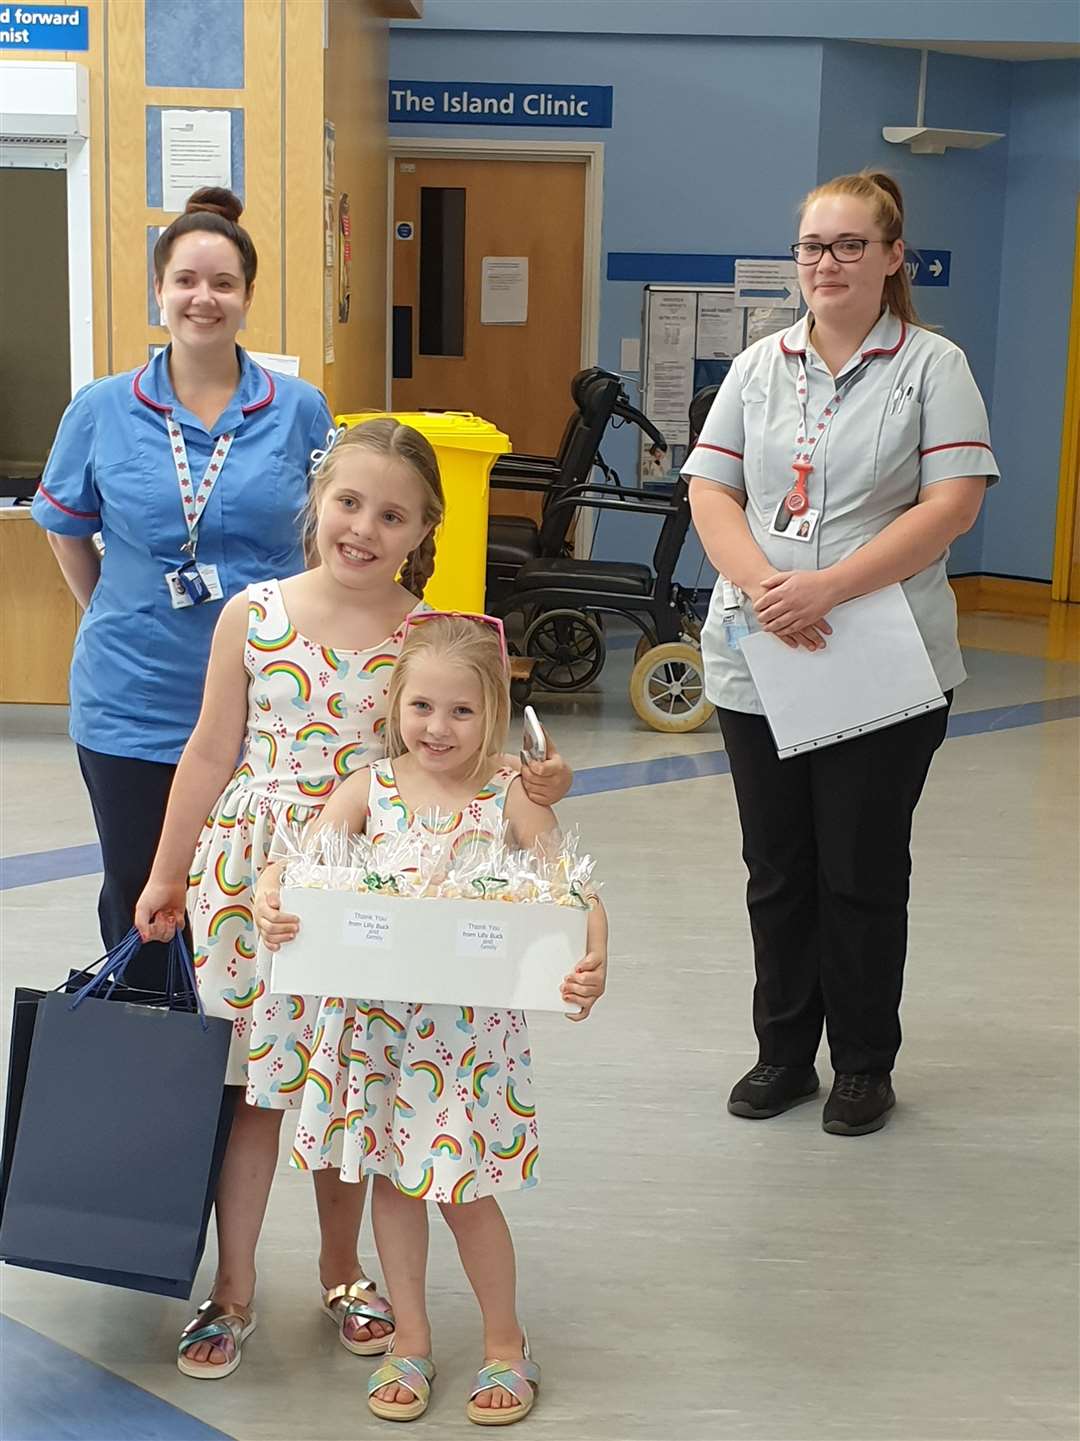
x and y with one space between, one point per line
438 1098
314 715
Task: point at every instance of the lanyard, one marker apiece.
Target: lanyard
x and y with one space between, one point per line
193 499
806 443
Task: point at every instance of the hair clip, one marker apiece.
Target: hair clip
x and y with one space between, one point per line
320 457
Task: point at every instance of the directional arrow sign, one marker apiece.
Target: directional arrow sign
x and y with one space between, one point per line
766 282
928 267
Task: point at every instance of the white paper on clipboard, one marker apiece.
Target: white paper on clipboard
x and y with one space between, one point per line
873 673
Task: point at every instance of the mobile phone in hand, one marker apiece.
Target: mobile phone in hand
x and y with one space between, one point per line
533 744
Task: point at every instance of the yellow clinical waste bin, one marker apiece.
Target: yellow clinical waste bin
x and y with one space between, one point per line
467 448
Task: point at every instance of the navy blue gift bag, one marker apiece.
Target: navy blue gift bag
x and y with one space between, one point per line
116 1124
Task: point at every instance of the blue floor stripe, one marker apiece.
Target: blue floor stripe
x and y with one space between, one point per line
53 1394
38 867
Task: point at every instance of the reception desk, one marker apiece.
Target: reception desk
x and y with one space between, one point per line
38 615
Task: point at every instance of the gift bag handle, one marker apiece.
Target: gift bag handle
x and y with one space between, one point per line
117 960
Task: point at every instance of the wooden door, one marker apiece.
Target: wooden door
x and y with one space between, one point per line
515 375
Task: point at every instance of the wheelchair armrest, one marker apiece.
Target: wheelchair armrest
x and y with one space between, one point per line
506 482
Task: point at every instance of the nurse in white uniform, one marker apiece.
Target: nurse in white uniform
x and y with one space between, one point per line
839 457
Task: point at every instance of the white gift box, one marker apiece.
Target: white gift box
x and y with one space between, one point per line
497 954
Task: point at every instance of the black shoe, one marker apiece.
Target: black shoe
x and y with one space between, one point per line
858 1104
767 1090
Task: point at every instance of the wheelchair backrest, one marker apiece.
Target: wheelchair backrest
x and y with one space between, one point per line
669 542
699 411
598 397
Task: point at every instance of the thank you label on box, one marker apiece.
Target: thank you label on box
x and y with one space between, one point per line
481 938
369 928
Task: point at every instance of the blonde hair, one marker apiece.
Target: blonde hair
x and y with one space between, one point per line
457 640
387 437
886 202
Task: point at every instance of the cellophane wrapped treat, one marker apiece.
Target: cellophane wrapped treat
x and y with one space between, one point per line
417 863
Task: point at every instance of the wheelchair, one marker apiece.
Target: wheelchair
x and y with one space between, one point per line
562 602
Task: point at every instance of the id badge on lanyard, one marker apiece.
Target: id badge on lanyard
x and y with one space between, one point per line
193 583
794 518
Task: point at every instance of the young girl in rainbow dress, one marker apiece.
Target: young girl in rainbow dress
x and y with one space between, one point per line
297 687
435 1101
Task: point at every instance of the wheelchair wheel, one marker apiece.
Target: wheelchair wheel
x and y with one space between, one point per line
667 688
568 648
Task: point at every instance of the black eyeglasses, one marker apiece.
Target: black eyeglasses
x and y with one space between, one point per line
846 251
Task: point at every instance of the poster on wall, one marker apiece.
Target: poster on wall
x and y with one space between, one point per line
196 150
762 320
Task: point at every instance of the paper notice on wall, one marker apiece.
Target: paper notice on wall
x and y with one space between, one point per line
719 327
766 282
196 150
328 317
271 360
672 322
764 320
504 290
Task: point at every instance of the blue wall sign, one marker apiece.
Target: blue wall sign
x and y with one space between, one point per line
435 102
404 230
31 26
928 267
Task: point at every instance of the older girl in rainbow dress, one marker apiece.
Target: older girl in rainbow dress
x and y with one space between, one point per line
435 1101
297 684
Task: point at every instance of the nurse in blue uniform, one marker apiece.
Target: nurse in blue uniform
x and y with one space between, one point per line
193 469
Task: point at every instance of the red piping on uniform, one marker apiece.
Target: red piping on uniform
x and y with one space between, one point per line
141 394
721 449
75 514
786 351
956 445
267 398
866 353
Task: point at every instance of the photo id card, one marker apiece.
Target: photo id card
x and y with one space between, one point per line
795 527
193 584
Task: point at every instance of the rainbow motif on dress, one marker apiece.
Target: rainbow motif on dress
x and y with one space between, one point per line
468 1060
378 663
291 671
433 1073
275 642
333 660
200 958
349 758
294 1005
271 747
344 1045
316 789
479 1146
244 948
375 1079
468 1016
418 1192
519 1108
468 841
243 773
256 611
441 826
263 704
378 730
459 1195
338 706
228 888
515 1148
369 1142
481 1075
335 1128
260 1053
385 777
353 1120
244 1001
426 1029
402 1107
376 1013
445 1145
220 919
194 880
392 1057
296 1159
313 731
303 1056
333 1003
322 1085
488 793
528 1166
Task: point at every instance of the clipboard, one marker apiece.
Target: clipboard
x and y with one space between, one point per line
874 672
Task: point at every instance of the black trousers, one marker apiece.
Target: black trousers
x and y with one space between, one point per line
128 798
826 840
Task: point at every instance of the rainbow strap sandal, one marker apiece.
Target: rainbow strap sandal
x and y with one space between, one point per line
362 1302
521 1377
215 1322
415 1373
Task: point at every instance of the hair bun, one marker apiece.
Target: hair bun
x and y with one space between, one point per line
217 201
884 181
